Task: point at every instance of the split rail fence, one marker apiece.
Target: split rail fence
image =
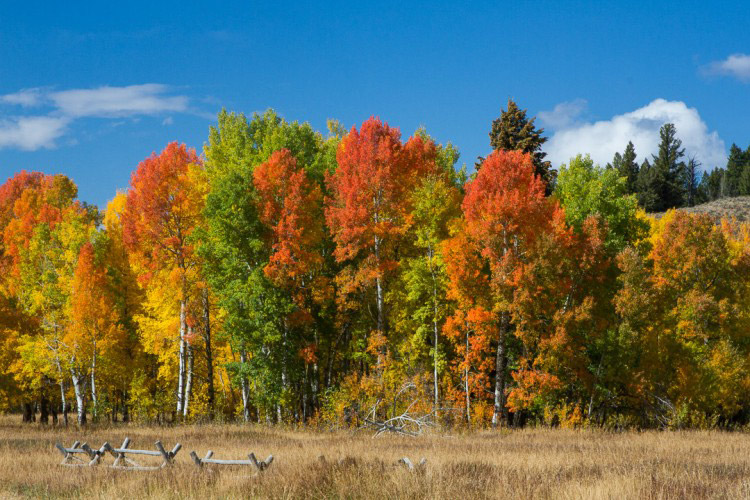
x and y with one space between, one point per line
91 457
261 465
121 460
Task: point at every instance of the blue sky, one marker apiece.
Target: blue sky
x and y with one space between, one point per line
89 90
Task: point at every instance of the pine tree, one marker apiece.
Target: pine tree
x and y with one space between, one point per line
629 168
646 187
616 162
724 184
744 182
514 131
667 181
738 170
709 188
735 166
692 180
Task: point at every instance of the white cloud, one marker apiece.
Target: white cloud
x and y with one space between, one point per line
564 114
603 139
65 106
26 98
736 65
167 121
144 99
31 132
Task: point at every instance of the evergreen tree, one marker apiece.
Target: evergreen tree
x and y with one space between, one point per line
616 162
692 180
738 171
701 194
744 182
710 185
667 181
626 167
514 131
648 197
724 184
629 168
735 166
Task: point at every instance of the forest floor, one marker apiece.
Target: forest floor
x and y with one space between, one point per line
529 463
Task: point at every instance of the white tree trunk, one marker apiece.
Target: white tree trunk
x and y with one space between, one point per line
209 353
466 380
94 399
188 375
245 389
284 369
79 386
63 399
181 372
435 364
380 303
430 256
499 414
314 387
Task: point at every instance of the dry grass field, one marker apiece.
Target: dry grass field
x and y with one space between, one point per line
737 208
534 463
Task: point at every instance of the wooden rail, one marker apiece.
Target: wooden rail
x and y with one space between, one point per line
123 462
409 465
351 461
261 465
70 459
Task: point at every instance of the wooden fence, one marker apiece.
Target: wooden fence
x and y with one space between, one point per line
92 457
121 460
261 465
70 458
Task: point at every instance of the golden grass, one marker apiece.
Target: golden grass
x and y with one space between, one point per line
531 463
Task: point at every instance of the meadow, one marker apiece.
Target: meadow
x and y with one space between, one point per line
526 463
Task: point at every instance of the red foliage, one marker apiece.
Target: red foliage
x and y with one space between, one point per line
162 210
371 191
28 199
290 205
506 210
506 215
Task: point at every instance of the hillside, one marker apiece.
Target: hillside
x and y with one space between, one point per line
738 207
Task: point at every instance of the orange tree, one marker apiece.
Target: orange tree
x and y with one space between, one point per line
162 210
369 213
505 213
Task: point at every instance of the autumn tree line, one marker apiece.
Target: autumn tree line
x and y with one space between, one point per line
284 276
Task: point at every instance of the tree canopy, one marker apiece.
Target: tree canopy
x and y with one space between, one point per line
286 276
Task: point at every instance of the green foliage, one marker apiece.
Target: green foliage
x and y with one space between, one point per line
234 242
585 189
666 178
358 275
738 164
626 167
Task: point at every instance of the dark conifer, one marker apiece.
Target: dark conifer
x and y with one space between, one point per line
514 131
